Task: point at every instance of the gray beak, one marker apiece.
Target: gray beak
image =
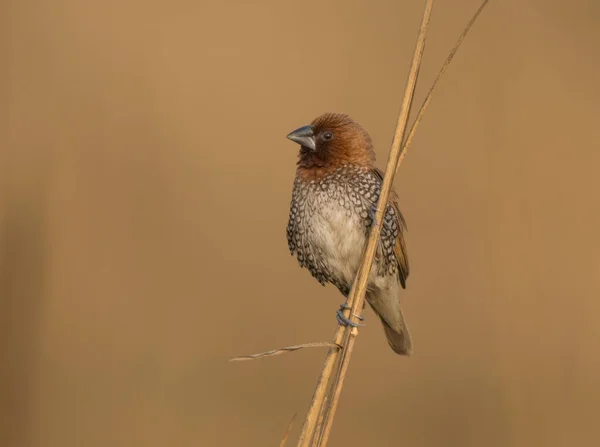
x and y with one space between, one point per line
304 136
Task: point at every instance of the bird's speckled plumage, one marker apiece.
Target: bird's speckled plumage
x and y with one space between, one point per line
335 192
346 197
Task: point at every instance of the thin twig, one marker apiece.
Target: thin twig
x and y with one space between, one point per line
359 285
287 432
316 406
316 344
351 334
318 428
312 416
439 76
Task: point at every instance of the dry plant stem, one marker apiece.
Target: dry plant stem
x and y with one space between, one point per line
351 334
441 72
312 417
318 429
359 286
279 351
316 441
357 293
287 432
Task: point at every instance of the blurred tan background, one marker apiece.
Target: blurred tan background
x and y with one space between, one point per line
145 181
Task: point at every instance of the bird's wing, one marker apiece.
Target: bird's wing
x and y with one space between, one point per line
400 246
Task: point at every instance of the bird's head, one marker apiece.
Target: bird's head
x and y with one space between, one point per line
330 141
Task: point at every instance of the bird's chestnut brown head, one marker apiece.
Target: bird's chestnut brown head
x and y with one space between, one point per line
330 141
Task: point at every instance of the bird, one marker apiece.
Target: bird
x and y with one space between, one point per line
334 197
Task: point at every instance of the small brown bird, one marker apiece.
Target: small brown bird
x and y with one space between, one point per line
333 203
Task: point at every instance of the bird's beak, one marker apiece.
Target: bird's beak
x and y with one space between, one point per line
304 136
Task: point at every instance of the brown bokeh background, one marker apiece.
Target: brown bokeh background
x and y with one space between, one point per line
145 181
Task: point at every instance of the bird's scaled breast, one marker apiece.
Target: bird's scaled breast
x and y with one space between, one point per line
339 234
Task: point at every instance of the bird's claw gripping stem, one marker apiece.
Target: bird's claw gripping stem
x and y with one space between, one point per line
343 320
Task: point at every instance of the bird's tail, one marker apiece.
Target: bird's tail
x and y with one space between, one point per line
387 307
399 340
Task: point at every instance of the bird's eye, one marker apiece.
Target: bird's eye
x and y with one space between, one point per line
327 136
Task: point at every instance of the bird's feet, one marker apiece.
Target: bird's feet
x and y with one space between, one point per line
343 321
